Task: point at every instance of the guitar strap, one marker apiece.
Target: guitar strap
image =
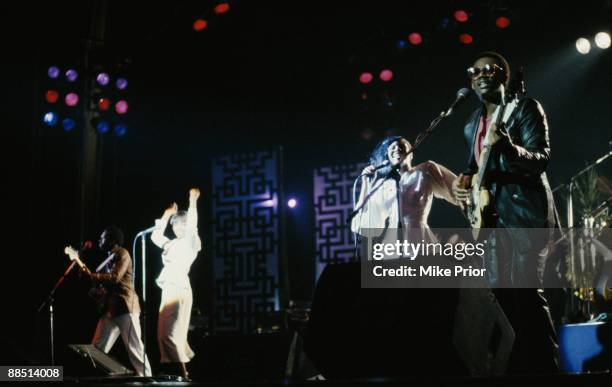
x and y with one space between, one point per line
507 113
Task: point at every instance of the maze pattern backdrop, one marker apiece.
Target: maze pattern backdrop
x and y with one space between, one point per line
333 190
245 239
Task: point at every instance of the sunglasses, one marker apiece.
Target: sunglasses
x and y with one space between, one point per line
486 70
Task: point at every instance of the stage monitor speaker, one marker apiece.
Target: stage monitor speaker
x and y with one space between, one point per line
364 333
101 363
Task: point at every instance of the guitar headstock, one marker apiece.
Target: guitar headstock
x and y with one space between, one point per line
71 253
516 88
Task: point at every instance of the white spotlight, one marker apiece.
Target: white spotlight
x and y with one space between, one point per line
583 46
602 40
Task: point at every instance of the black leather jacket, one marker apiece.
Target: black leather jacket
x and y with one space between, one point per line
516 168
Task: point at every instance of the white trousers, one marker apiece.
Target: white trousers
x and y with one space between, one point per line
173 325
128 326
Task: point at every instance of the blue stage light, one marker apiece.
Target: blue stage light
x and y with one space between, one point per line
102 127
120 130
50 118
68 124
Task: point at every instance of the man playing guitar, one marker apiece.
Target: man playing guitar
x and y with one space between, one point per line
509 154
118 301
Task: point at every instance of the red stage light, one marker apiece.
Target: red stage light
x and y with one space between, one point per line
366 78
221 8
466 38
199 25
386 75
461 16
502 22
51 96
104 104
415 38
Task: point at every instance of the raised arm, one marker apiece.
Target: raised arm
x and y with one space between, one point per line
158 236
192 211
192 218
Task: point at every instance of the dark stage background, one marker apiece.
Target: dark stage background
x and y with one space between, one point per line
264 75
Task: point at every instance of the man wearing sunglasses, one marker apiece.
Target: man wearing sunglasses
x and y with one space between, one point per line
516 175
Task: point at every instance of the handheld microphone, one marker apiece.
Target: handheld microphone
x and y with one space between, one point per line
382 165
379 166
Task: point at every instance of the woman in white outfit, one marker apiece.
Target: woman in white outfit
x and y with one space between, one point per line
412 188
177 256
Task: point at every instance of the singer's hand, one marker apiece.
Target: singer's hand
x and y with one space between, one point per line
171 210
369 170
460 185
194 194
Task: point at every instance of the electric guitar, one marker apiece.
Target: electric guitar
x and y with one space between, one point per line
97 292
479 206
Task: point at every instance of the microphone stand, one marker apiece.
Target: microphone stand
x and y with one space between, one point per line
49 301
432 126
143 240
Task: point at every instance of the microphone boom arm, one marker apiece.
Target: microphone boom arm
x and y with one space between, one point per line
462 94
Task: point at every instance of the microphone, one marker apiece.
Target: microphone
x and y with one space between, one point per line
462 95
379 166
376 168
147 231
382 165
87 245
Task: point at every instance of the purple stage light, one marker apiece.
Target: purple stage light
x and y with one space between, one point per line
292 203
121 83
72 75
103 79
53 72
